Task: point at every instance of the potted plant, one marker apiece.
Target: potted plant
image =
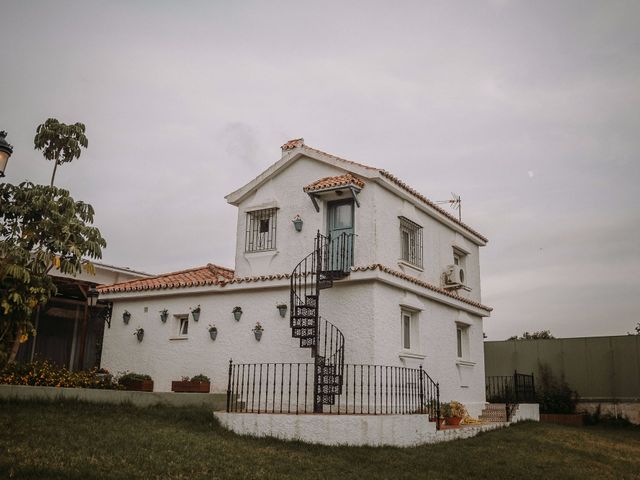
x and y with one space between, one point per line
126 316
297 223
164 314
136 381
237 312
195 313
257 331
453 412
282 308
213 332
197 384
139 332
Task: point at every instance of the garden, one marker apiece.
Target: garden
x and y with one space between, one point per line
73 440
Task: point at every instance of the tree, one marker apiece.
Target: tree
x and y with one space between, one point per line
41 227
541 335
637 329
60 142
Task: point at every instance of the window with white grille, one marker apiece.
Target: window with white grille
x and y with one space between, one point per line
411 242
261 230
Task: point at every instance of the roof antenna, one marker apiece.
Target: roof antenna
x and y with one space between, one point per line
455 202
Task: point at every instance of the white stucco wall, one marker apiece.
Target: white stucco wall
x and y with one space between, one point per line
526 411
436 347
367 313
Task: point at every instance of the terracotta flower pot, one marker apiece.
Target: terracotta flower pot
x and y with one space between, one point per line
453 421
139 385
191 387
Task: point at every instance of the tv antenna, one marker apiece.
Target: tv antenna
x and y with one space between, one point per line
455 202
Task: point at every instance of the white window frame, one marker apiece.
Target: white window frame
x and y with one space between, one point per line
412 334
462 342
182 321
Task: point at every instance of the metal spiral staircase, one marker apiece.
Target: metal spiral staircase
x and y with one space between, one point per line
330 260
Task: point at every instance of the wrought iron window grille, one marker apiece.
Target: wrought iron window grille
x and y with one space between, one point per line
260 234
411 242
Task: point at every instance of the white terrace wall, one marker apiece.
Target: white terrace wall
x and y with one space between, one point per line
433 343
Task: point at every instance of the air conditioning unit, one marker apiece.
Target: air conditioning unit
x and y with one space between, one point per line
454 275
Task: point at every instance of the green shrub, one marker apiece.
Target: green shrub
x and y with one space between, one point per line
200 378
47 374
132 377
553 395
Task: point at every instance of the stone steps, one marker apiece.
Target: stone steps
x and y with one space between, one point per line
496 412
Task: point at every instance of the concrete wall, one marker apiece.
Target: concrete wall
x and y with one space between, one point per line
526 411
598 368
139 399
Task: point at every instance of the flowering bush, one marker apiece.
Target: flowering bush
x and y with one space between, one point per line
46 374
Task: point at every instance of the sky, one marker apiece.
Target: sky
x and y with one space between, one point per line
528 110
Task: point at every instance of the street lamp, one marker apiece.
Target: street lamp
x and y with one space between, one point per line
92 296
5 152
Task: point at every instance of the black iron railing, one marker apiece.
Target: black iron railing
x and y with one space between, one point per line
364 389
516 388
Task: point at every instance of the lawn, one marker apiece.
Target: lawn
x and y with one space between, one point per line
78 441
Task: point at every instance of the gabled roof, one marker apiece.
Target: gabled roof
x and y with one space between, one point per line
332 182
210 274
295 149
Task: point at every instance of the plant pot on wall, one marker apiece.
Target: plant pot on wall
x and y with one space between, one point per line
139 333
237 313
213 332
164 315
257 331
126 316
282 308
195 313
297 223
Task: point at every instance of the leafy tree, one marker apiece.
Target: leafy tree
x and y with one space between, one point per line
41 227
554 395
541 335
60 142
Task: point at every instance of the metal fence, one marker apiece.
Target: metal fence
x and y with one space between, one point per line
363 389
516 388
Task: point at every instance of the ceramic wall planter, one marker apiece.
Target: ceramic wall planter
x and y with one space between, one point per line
237 313
164 315
257 334
283 310
213 334
297 223
126 316
139 385
139 333
196 314
190 386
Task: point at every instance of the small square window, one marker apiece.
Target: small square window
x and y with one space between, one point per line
183 328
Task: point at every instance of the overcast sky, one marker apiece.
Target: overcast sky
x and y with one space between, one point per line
529 110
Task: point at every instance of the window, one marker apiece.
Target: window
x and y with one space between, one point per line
183 327
406 330
462 341
459 260
411 242
261 230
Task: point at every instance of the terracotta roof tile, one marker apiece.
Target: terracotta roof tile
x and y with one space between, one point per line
215 275
332 182
422 283
210 274
291 144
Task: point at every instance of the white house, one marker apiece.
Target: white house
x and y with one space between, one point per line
405 278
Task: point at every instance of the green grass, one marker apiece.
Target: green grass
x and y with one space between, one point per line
78 441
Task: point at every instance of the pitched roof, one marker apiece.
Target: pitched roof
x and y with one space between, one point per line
332 182
289 151
210 274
